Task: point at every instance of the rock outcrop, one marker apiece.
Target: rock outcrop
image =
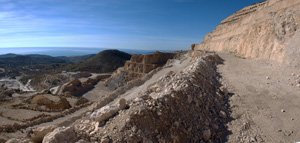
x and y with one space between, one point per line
61 135
138 66
263 30
40 132
40 101
77 88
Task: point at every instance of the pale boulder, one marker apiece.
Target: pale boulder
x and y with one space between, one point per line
61 135
104 113
40 132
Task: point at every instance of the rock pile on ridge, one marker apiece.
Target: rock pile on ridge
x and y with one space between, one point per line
188 106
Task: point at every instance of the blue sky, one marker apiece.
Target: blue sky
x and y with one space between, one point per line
118 24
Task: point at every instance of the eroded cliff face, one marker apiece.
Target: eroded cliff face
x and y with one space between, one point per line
263 30
138 66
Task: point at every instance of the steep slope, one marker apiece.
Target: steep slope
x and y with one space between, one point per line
262 30
105 61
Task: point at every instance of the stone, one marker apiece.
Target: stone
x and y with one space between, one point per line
82 141
223 114
282 110
122 104
104 113
13 140
105 139
96 127
76 82
40 132
206 135
40 100
61 135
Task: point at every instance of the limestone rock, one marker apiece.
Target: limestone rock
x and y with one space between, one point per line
40 132
61 135
262 30
77 88
104 113
82 141
41 100
13 140
136 67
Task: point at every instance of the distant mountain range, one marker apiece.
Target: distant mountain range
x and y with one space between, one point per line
34 64
60 59
67 51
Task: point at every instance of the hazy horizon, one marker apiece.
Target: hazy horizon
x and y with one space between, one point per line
67 51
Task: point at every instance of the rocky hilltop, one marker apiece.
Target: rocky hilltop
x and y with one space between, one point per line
233 87
265 30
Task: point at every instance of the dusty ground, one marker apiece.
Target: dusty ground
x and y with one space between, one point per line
265 101
97 92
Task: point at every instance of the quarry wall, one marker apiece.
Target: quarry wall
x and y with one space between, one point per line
136 67
263 30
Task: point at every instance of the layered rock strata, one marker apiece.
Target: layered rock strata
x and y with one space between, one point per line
263 30
138 66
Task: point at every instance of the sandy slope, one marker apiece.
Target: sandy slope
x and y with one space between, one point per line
265 105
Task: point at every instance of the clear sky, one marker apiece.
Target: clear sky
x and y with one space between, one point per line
119 24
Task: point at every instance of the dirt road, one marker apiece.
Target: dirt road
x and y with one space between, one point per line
265 104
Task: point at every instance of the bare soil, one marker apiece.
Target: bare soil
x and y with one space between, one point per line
265 101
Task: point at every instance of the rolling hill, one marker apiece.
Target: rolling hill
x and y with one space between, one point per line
105 61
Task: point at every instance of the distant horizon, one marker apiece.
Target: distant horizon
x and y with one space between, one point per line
69 51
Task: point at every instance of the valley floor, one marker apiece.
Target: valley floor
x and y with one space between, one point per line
265 101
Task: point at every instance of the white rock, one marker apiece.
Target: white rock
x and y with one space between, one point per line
40 132
95 129
13 140
104 113
61 135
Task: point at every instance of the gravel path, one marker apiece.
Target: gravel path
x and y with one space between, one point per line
265 104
